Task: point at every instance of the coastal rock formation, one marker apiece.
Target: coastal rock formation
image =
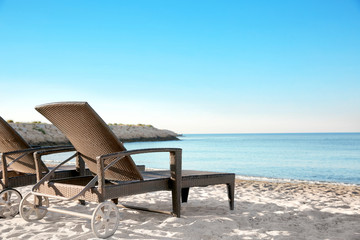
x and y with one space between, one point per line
48 134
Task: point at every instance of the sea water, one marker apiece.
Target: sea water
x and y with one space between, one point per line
329 157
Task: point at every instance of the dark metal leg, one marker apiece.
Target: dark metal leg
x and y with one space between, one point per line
184 194
80 165
176 194
176 177
231 193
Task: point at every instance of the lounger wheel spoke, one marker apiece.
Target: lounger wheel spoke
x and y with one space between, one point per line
31 207
105 219
9 203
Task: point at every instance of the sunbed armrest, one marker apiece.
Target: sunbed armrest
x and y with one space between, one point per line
175 164
80 164
59 149
5 165
175 157
49 174
47 151
138 151
31 150
24 152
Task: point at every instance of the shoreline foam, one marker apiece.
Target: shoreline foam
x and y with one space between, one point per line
284 180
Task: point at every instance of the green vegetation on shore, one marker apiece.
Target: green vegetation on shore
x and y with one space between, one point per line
131 125
38 133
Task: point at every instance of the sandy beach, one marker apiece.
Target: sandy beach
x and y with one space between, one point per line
263 210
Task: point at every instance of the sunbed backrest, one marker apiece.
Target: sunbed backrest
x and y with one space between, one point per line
90 136
10 141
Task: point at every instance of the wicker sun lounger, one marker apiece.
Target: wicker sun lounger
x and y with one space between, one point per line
18 168
115 172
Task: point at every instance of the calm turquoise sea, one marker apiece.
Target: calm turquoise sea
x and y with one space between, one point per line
330 157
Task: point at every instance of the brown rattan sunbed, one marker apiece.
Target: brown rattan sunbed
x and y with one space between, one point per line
18 168
115 172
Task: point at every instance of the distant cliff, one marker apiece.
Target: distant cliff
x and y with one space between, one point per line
48 134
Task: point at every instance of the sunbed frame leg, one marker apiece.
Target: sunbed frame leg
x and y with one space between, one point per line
80 165
80 168
184 194
175 169
231 193
176 202
5 178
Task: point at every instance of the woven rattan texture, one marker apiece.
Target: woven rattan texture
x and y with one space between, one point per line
73 186
10 140
69 190
28 179
90 136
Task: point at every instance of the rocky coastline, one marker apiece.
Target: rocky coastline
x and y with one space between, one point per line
42 134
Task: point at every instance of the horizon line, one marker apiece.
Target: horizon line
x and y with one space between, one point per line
180 134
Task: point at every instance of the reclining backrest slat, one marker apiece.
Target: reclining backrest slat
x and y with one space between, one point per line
90 136
10 140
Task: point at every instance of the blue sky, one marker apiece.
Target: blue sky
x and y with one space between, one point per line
188 66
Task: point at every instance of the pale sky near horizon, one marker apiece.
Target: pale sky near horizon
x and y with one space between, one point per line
188 66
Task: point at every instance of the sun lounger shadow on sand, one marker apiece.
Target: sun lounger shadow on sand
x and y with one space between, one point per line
115 173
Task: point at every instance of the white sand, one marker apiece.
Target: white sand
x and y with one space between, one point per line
264 210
